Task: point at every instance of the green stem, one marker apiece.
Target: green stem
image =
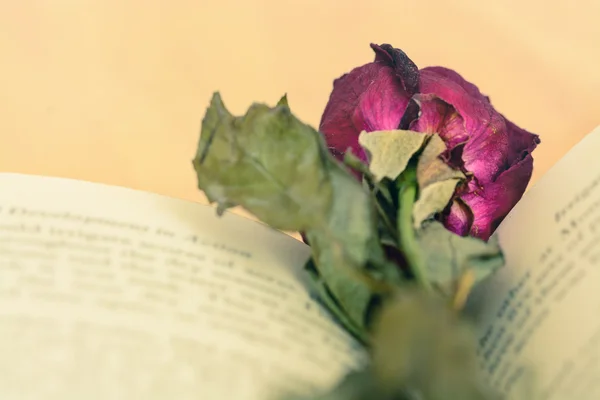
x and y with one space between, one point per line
407 240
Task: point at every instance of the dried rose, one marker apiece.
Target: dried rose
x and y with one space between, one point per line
392 93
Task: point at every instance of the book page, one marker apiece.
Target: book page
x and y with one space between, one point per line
541 312
111 293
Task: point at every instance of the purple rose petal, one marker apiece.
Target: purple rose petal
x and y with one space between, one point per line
392 93
491 205
459 219
369 98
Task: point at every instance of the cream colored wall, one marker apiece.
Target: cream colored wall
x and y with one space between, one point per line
114 90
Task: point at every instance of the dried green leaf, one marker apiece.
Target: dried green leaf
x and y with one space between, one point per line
283 101
448 256
344 247
390 151
279 169
380 189
437 182
433 199
320 288
431 168
266 161
423 350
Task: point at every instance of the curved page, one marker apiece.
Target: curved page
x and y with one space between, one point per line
540 326
111 293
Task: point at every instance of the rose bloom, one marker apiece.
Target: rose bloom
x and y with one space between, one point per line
392 93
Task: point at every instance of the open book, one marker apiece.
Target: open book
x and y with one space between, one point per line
111 293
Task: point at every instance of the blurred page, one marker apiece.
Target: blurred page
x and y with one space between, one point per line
110 293
541 313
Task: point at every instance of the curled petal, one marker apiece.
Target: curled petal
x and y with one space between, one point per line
459 218
485 153
410 114
455 77
494 143
406 70
432 116
496 199
439 117
521 142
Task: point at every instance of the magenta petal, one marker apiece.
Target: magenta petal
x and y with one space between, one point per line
337 122
455 77
432 115
439 117
459 219
485 153
494 143
521 142
497 198
369 98
382 105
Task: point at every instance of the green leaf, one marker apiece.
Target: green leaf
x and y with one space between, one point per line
380 192
423 350
266 161
431 168
346 245
432 200
280 170
390 151
283 101
320 288
449 256
378 187
437 182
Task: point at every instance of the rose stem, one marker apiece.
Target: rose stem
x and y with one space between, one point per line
406 233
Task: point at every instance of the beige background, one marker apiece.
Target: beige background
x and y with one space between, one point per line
114 90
